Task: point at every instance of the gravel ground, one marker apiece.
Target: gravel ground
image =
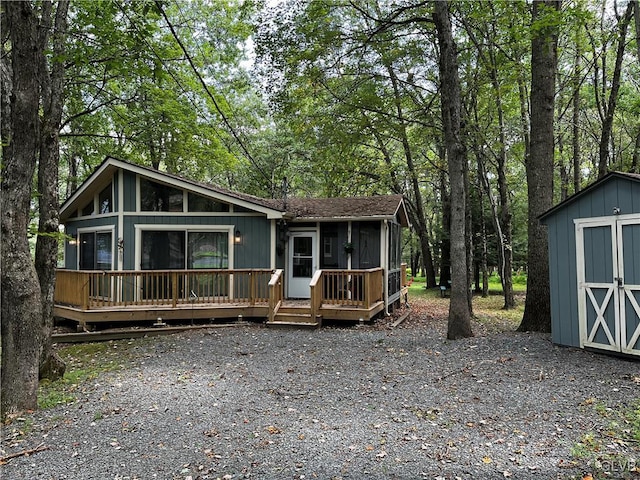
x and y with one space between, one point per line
366 402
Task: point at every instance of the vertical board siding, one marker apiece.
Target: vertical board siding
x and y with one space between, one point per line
563 298
129 187
255 249
253 252
618 192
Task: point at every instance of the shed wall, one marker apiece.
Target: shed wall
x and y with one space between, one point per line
599 202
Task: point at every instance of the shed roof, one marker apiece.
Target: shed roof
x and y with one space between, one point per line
317 209
587 190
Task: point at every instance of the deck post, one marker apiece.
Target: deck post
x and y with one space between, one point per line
85 291
174 288
275 294
317 294
367 289
252 288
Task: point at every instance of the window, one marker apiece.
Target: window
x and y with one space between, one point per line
105 200
163 250
96 250
208 250
180 249
88 209
198 203
395 246
158 197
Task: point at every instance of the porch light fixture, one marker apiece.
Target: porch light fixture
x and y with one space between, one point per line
237 237
73 240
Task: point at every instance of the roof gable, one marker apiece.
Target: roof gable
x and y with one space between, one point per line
99 178
634 177
382 207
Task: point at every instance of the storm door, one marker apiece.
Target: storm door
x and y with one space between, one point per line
302 263
609 284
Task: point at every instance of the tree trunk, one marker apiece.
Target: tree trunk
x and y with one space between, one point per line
539 165
51 83
21 306
607 124
459 325
635 159
575 119
415 208
415 185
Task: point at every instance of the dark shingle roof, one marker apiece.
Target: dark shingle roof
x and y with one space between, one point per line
351 207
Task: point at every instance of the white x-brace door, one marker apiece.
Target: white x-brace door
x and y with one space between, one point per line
609 283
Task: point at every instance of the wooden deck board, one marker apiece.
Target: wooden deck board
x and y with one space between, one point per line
153 312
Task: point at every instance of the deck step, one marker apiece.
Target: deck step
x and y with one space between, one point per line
300 319
277 323
293 309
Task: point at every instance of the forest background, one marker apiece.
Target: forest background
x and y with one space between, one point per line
531 101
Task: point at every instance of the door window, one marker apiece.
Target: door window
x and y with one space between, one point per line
303 257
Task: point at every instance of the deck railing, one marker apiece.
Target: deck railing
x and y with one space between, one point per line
102 289
96 289
353 288
276 294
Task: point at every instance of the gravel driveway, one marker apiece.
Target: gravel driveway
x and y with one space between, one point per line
367 402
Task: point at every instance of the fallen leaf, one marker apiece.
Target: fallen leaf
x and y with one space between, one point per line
486 460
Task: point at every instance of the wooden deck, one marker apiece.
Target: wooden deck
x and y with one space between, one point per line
94 297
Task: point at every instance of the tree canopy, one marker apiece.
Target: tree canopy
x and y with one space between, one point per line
333 98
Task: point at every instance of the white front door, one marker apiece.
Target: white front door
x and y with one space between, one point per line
609 284
303 263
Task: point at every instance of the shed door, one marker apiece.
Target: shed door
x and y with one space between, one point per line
628 234
609 284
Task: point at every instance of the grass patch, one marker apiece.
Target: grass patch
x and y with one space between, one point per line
487 310
85 361
613 451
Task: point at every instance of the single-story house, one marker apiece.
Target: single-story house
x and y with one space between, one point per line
145 245
594 266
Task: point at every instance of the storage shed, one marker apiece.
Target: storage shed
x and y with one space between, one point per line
594 266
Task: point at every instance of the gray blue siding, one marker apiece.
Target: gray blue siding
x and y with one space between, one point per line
598 200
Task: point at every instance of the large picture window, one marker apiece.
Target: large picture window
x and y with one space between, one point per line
185 249
180 249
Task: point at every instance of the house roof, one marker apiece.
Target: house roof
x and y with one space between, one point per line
351 208
317 209
587 190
